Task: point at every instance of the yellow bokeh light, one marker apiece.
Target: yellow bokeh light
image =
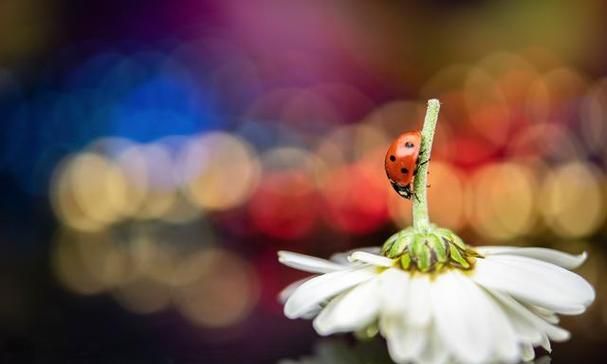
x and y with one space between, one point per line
445 198
132 163
219 291
98 186
501 202
572 200
219 171
157 169
70 269
89 192
365 143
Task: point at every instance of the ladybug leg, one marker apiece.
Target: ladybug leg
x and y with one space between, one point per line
419 164
403 191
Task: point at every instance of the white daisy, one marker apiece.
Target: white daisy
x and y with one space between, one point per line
436 299
496 309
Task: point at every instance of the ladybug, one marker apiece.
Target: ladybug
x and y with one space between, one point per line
402 162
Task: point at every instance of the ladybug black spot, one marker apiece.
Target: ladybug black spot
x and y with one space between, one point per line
392 158
409 145
404 171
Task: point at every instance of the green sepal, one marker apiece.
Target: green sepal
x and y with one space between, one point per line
429 251
438 247
405 261
389 243
421 253
453 238
403 239
457 257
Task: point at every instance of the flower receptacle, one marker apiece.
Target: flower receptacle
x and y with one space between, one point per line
429 251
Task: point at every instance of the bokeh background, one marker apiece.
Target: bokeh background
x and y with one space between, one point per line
154 156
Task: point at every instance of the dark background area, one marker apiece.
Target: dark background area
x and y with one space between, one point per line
154 156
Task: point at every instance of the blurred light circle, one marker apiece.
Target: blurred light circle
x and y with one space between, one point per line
285 205
445 81
501 201
132 163
487 107
572 200
551 141
104 258
446 195
143 296
301 110
399 209
352 143
355 196
65 205
221 290
550 97
289 159
445 198
154 171
593 117
182 210
469 150
513 74
89 192
99 187
219 171
71 270
396 117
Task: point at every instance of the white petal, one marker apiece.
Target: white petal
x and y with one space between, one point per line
554 332
528 354
308 263
394 287
535 282
456 310
406 343
342 258
419 308
562 259
315 291
373 259
543 313
470 322
284 295
545 343
288 290
526 330
435 351
350 311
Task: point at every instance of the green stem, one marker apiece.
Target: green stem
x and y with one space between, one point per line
421 222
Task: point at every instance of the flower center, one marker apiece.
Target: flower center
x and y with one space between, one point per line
430 251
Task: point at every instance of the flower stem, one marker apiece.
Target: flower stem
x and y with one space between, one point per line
421 222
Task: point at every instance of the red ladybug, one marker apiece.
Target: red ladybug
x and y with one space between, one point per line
402 161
